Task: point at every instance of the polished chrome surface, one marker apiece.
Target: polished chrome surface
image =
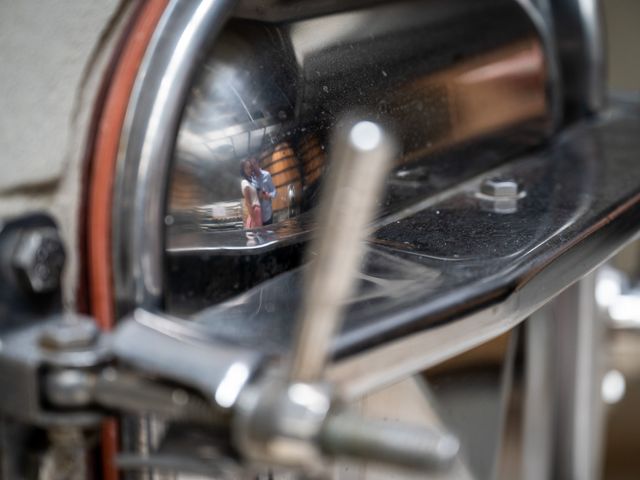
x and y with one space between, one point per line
483 272
280 423
184 32
538 417
593 21
579 33
362 153
299 425
563 413
462 85
287 10
500 195
437 254
579 368
541 15
427 450
219 371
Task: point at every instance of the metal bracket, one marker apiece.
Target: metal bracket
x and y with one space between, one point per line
66 375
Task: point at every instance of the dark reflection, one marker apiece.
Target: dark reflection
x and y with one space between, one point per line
462 85
447 258
266 312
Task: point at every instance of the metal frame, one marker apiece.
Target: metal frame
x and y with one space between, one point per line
474 315
185 31
579 34
539 17
515 293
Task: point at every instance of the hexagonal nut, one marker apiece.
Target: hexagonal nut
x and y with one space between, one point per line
499 188
39 259
70 333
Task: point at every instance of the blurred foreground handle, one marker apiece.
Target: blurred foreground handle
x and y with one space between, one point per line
361 153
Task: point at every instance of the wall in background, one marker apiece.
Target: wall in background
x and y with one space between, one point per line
622 19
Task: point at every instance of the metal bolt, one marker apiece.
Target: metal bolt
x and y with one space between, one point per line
500 188
500 195
70 333
38 259
70 388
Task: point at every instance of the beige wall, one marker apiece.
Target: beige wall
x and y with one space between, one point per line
53 53
622 19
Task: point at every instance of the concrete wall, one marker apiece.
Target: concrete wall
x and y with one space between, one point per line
54 53
622 19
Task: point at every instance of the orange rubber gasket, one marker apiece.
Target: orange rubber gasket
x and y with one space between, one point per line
99 263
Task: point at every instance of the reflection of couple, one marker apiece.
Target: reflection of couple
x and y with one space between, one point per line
257 191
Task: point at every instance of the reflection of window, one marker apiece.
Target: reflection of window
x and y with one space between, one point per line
220 215
246 142
240 144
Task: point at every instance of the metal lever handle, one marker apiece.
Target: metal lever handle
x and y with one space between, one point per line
407 446
300 424
361 155
294 421
297 421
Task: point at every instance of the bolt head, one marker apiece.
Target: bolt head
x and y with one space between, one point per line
500 188
70 333
38 259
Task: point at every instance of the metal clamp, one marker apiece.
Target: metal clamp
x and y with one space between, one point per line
301 425
67 375
38 350
299 421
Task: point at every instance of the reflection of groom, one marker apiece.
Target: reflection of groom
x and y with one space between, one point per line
266 191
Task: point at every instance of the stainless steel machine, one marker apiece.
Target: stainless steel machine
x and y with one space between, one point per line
313 239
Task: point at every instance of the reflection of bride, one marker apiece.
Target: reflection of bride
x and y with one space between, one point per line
250 195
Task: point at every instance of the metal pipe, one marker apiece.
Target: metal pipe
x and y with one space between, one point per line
360 156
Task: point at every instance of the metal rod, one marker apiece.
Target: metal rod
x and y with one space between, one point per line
407 446
361 152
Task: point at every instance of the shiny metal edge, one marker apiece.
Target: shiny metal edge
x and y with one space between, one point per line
367 372
555 90
579 28
592 20
184 32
